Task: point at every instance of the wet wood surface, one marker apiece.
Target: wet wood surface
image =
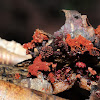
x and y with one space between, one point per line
9 91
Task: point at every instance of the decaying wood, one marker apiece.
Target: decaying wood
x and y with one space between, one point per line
39 84
95 92
7 73
62 86
83 84
9 91
7 57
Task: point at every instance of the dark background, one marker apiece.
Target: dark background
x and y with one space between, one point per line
20 18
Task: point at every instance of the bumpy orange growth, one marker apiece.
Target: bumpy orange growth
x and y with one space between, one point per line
97 30
80 44
28 45
51 77
17 76
93 72
80 64
37 65
38 37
